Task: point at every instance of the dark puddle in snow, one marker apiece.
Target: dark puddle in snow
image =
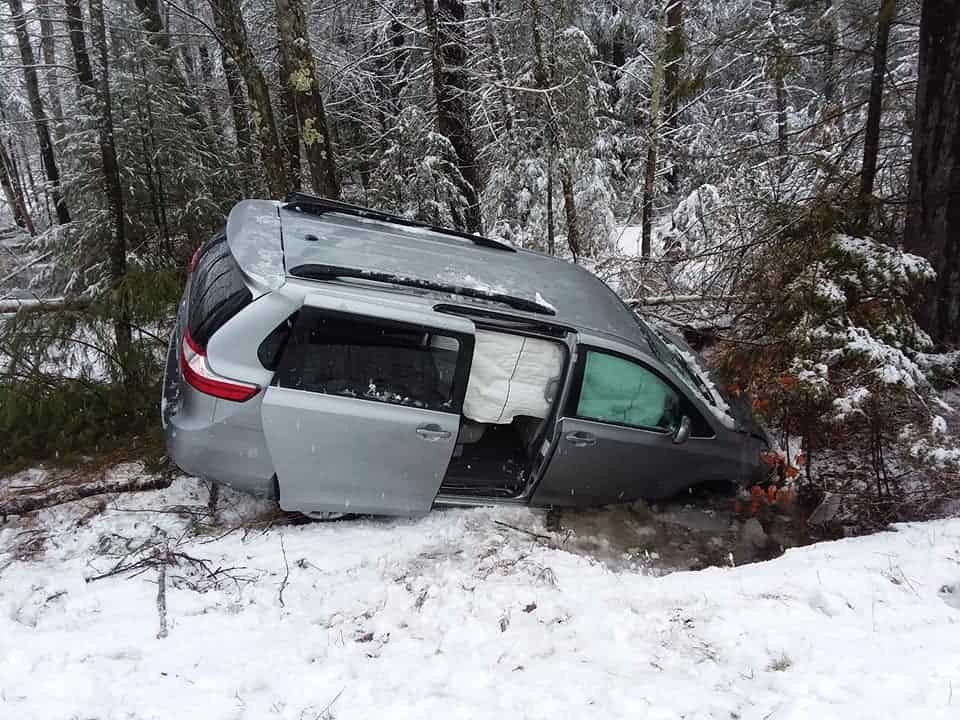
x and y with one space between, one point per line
690 532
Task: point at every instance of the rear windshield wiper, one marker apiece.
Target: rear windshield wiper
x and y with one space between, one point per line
313 271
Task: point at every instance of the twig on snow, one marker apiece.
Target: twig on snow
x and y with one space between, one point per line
162 599
325 714
286 576
521 530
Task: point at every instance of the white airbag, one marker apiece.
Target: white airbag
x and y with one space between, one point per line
510 376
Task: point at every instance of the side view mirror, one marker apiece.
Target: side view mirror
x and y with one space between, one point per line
682 432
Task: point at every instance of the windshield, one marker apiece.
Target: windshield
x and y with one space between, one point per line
680 360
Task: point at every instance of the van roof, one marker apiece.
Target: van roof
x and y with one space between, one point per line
563 291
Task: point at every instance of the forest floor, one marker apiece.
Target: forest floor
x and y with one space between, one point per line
488 612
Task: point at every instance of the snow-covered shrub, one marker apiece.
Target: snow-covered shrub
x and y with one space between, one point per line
696 223
830 349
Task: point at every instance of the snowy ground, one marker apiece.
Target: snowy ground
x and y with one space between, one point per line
455 616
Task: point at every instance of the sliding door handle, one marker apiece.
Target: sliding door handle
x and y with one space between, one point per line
433 433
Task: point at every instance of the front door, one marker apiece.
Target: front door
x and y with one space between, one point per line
363 412
616 438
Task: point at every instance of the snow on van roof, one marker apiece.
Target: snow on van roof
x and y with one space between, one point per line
578 297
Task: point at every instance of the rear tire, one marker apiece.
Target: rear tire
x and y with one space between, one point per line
302 518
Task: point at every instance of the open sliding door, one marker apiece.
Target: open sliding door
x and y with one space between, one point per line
364 410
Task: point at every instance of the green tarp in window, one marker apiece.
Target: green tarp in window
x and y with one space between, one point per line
617 390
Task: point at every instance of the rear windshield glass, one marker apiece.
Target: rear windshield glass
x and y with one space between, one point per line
370 359
217 290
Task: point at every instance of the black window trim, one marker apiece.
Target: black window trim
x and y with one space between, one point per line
287 322
464 354
573 398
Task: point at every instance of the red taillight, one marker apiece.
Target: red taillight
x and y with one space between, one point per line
196 371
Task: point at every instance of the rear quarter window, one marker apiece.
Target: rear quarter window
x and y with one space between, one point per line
217 290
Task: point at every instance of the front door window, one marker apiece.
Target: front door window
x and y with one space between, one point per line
617 390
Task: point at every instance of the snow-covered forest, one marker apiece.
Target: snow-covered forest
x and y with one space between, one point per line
776 180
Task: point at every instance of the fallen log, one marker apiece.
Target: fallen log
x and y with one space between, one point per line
18 505
654 300
12 305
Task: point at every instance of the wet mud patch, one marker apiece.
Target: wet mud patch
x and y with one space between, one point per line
690 532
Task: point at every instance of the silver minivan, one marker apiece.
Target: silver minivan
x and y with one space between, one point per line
343 360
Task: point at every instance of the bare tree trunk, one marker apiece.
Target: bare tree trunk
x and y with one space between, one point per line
81 58
933 217
111 177
551 239
41 124
40 200
653 138
48 49
153 23
779 74
241 118
206 73
831 71
496 53
303 85
646 204
541 73
231 25
289 124
14 193
449 60
16 175
871 140
570 210
783 146
676 45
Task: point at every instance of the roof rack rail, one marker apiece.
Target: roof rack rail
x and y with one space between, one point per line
319 206
543 326
313 271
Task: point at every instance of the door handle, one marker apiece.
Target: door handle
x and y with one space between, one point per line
433 433
581 439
